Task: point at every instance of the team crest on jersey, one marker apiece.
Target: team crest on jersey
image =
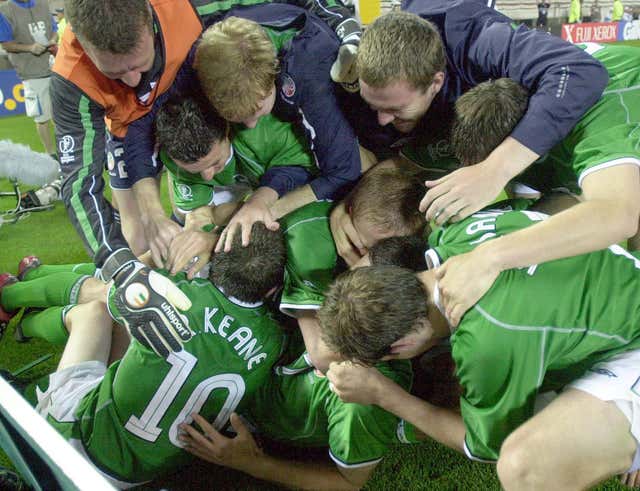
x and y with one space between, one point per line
288 86
185 191
111 161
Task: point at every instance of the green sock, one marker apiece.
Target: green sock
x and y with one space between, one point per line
46 324
48 269
48 291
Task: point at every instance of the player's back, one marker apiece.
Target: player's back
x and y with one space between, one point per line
129 423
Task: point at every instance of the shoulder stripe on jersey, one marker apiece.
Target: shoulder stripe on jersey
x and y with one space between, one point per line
87 159
306 220
352 466
544 329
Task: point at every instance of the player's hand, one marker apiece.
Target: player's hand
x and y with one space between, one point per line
460 193
37 49
356 383
147 304
160 231
187 246
343 70
254 210
463 280
348 242
238 453
631 479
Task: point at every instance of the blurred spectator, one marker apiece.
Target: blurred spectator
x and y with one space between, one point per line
618 11
27 31
596 14
62 23
543 12
575 12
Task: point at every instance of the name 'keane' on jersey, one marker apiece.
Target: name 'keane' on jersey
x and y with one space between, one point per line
245 342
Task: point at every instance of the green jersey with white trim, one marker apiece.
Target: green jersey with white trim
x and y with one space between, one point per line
311 256
607 135
297 406
538 326
498 219
128 424
272 143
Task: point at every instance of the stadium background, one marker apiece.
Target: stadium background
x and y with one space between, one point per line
49 235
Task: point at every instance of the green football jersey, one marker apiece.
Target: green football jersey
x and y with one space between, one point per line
296 406
498 219
311 257
272 143
606 135
536 326
128 424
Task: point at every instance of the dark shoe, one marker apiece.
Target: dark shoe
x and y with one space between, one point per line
27 264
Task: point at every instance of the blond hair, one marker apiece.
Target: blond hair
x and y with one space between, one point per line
237 65
400 46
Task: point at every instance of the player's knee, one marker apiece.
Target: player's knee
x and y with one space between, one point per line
517 465
90 316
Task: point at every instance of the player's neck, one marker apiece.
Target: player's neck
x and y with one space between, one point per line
437 319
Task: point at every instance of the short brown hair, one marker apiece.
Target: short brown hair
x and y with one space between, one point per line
388 198
368 309
248 273
237 65
113 26
485 116
186 128
400 46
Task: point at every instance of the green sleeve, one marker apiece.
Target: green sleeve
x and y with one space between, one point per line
361 435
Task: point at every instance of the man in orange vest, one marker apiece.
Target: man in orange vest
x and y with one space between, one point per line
114 63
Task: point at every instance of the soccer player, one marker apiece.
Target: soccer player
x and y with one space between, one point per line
125 417
212 163
287 54
447 48
598 159
538 328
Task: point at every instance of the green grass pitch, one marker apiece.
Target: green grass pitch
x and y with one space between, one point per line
49 235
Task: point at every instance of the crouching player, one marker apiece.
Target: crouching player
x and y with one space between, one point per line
125 417
544 327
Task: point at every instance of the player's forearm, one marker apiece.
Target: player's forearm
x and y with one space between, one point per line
509 159
14 47
147 195
588 226
292 201
443 425
299 475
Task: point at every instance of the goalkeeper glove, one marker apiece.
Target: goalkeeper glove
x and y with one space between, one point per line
145 303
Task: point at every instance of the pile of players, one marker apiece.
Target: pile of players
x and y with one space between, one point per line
336 214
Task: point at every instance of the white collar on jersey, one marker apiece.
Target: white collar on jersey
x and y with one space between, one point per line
233 299
436 299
